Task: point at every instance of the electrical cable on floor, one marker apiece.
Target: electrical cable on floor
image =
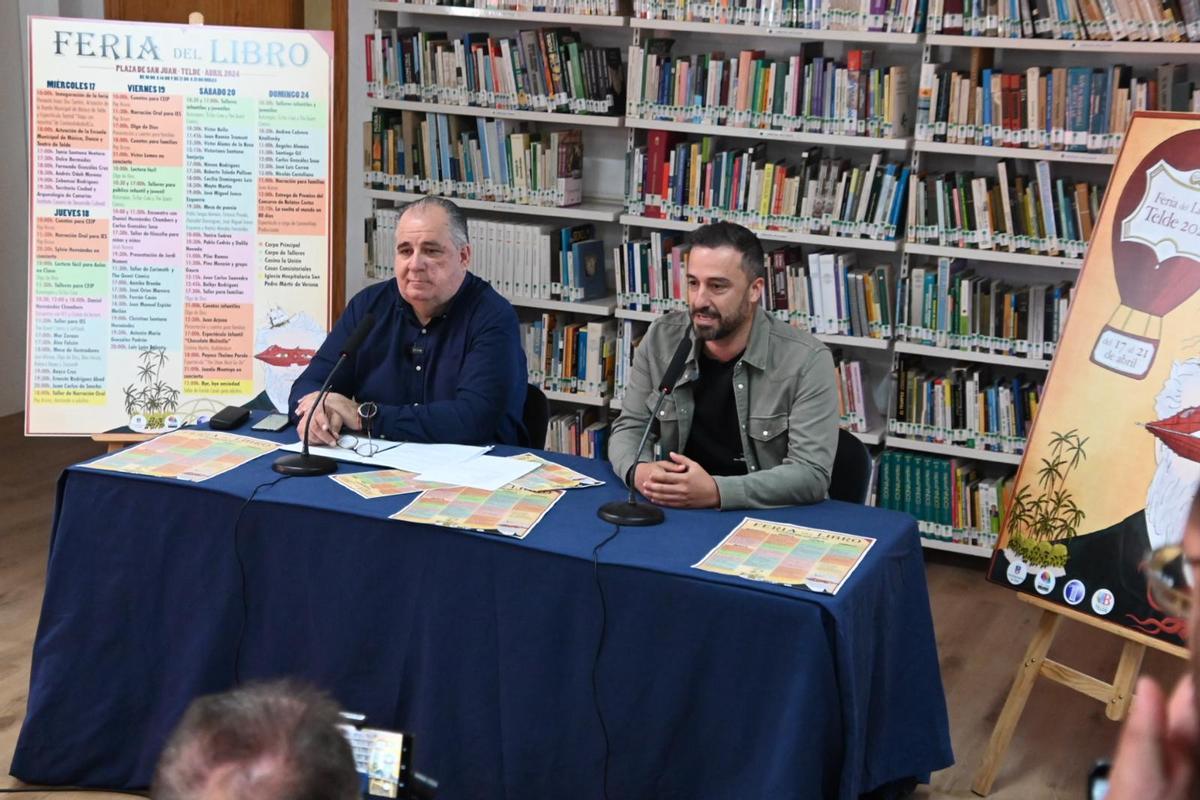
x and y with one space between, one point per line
237 552
600 648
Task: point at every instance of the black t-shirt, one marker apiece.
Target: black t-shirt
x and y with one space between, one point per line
715 442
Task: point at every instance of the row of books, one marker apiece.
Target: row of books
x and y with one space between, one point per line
1078 109
1105 20
550 69
962 407
804 92
539 261
893 16
950 499
604 8
379 243
1008 211
629 336
948 305
583 432
699 181
571 357
856 411
823 292
472 157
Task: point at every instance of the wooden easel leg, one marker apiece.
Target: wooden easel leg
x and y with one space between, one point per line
1127 672
1006 724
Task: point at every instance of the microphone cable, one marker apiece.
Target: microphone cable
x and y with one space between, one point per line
237 552
599 649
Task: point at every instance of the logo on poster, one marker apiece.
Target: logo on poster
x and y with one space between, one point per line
1044 582
1016 573
1074 592
1102 601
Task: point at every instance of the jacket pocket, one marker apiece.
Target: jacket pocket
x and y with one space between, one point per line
665 428
768 437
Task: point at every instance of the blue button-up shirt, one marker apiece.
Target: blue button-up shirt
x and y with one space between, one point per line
460 378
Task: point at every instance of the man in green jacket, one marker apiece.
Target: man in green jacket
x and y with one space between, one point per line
753 422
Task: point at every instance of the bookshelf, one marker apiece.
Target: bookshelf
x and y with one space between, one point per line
1088 46
999 256
769 135
595 120
957 354
1106 159
777 32
536 17
593 210
814 239
609 138
952 450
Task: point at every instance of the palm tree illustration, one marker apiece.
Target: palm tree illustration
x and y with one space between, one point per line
149 394
1040 524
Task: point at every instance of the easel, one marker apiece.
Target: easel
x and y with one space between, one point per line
1116 696
118 439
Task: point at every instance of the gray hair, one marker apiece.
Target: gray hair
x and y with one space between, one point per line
458 220
270 741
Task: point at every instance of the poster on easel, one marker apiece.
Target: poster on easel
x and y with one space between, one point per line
1114 454
179 228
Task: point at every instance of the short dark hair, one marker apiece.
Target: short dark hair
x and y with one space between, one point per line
272 741
458 220
741 239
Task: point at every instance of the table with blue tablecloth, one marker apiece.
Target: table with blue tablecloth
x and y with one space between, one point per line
482 646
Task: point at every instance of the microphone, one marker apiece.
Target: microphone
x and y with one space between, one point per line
630 511
304 464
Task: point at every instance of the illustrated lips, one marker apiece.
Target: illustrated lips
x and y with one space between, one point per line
1177 432
278 356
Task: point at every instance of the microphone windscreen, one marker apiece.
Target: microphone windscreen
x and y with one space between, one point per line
675 368
355 339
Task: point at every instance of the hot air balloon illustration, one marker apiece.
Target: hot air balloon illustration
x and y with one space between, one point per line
1156 253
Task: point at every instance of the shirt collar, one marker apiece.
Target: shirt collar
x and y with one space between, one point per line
468 284
757 349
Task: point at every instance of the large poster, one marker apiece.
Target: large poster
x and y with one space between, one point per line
1114 459
179 219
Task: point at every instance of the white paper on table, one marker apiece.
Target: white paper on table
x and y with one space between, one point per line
337 454
419 458
484 472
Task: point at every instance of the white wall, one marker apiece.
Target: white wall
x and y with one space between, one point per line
14 183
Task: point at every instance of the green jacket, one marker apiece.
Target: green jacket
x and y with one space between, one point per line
785 388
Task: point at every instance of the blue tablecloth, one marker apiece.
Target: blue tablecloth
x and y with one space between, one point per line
480 645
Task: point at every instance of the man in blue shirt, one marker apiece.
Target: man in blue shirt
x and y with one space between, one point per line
443 361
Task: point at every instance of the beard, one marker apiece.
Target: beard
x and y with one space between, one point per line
717 325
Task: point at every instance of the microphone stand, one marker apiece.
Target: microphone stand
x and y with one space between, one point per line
630 511
304 465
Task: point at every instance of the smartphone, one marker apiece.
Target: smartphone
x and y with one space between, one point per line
271 422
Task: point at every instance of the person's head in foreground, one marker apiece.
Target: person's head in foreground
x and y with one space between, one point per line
266 741
1158 755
